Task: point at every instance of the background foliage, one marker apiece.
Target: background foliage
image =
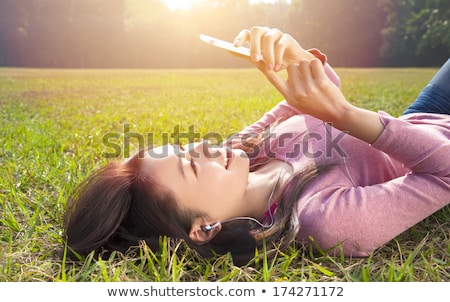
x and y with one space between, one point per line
146 34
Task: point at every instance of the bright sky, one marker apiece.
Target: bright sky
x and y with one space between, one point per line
186 4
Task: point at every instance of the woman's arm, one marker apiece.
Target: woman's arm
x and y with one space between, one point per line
362 218
273 50
311 87
310 91
284 109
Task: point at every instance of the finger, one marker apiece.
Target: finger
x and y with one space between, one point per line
318 70
295 79
279 83
269 41
241 38
256 33
296 85
305 72
279 51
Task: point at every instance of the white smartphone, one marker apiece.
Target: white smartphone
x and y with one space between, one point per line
225 45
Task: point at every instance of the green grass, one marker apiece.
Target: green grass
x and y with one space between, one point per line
52 124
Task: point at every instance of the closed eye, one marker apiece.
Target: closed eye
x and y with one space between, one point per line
180 146
192 163
194 167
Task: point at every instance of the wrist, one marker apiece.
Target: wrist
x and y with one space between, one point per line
360 123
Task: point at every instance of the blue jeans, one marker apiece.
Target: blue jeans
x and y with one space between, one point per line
435 97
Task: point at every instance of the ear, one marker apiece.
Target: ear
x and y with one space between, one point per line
200 236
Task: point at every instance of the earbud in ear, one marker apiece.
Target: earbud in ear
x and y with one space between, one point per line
210 227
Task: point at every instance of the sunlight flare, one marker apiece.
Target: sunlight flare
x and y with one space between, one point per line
179 4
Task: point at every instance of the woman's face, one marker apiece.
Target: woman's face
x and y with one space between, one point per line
202 178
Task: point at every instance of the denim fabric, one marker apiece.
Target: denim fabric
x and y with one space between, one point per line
435 97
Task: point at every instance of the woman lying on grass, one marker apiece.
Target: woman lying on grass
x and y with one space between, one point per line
314 166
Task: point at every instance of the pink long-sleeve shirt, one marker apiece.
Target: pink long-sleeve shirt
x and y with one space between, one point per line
371 193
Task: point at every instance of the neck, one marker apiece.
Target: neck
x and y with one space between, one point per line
264 185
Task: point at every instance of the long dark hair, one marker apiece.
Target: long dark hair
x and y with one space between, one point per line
118 206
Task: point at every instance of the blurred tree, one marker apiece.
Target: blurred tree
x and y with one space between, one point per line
95 32
146 34
416 32
146 25
14 33
347 30
48 22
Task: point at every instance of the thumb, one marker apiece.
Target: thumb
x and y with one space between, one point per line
274 78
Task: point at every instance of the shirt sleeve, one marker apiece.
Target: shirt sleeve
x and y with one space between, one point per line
362 219
332 75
